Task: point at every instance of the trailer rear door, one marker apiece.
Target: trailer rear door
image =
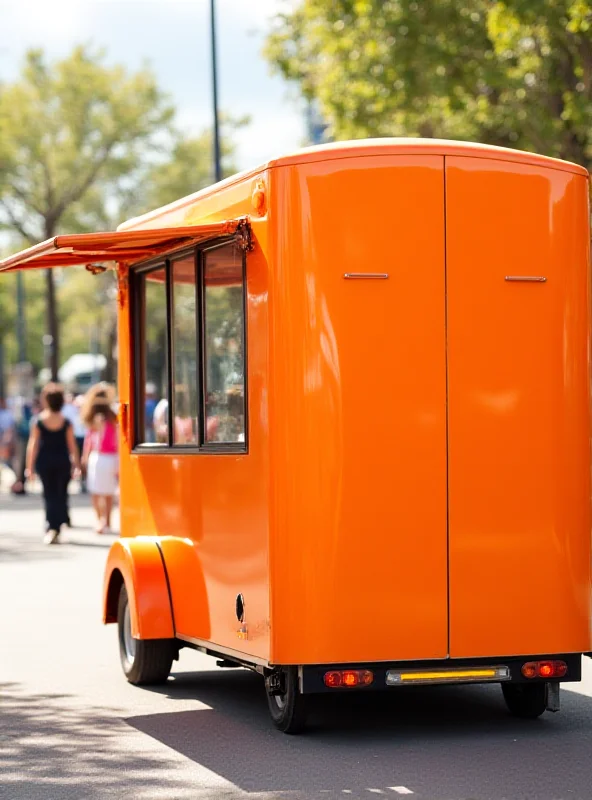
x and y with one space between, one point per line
518 405
359 561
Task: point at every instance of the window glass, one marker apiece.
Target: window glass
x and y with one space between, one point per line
155 357
224 369
184 328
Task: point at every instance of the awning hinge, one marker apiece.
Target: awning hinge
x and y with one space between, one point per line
244 235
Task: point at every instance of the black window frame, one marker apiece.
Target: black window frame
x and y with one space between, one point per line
138 327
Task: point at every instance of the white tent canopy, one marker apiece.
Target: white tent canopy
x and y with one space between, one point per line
81 364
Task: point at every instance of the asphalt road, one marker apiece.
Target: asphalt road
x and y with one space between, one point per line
71 728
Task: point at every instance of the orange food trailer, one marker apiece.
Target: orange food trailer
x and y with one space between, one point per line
369 462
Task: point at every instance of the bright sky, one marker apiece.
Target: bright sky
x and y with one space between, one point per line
173 36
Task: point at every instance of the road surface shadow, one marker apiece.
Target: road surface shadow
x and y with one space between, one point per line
52 749
440 742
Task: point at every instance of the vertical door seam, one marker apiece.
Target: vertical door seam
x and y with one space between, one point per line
447 437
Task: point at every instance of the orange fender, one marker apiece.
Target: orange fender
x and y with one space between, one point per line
138 563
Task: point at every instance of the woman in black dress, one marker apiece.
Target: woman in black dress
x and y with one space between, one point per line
52 454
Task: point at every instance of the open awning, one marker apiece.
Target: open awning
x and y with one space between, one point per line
120 246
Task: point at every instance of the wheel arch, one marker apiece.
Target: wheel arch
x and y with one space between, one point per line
138 563
112 590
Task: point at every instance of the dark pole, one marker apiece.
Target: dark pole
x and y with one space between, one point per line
217 165
21 329
52 326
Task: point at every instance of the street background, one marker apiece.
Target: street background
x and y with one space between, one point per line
72 728
108 109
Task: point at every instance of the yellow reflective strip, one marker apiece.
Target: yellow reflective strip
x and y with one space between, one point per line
435 676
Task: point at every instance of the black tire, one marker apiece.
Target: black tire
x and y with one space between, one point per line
289 709
144 661
526 700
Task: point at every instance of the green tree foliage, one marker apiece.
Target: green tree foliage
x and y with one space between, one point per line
35 320
72 127
516 73
83 146
68 129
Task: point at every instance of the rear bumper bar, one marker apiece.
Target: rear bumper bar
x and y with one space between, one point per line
312 676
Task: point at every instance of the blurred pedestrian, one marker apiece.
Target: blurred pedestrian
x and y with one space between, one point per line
149 407
68 409
7 433
23 430
102 390
101 458
52 454
161 421
36 409
72 411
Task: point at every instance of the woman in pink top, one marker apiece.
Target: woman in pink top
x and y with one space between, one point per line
101 457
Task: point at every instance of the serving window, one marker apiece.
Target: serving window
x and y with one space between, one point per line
185 351
224 345
189 329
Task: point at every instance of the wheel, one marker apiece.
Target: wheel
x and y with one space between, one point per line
144 661
286 705
526 700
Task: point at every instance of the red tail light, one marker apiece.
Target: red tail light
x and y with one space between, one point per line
544 669
529 670
332 679
348 678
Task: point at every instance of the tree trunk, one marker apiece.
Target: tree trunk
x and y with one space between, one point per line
52 325
21 322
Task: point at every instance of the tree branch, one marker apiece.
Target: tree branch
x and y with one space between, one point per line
585 52
49 190
25 198
17 224
77 191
